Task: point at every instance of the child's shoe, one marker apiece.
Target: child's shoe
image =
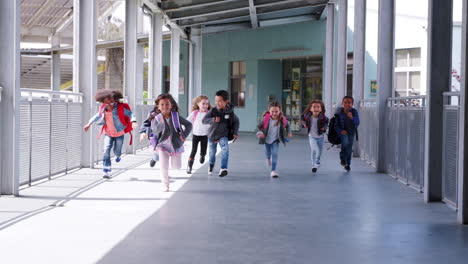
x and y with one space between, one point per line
189 167
210 170
268 162
315 167
202 159
107 174
152 163
223 172
347 167
118 159
274 174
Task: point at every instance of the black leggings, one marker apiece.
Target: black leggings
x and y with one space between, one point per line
204 144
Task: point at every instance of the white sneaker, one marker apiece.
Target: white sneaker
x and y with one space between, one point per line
106 175
274 174
223 172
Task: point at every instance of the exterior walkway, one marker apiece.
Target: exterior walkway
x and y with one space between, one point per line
332 217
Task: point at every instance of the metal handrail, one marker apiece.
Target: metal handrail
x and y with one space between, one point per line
406 98
448 99
392 101
51 94
365 102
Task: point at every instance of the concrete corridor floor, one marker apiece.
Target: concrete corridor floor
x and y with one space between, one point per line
246 217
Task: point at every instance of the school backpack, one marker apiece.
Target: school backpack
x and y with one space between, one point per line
123 118
266 120
175 121
332 135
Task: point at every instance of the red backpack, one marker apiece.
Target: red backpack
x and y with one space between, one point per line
123 118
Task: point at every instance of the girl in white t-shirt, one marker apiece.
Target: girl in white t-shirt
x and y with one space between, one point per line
201 106
316 122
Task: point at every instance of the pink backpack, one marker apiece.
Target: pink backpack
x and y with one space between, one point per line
266 120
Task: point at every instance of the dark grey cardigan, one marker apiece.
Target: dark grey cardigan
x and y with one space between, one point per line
162 131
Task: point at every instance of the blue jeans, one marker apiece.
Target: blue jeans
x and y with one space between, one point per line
109 143
224 144
271 152
316 146
346 148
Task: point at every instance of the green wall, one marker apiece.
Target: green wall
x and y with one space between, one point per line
254 47
183 68
269 83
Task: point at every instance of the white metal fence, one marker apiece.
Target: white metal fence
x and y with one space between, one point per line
50 133
405 139
368 130
450 148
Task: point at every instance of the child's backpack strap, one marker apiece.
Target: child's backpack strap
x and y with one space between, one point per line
285 121
194 117
176 121
266 120
125 119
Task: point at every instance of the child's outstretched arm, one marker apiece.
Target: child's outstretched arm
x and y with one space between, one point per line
209 118
356 120
132 117
236 126
93 119
188 126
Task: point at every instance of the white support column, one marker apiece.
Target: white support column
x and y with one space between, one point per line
191 88
197 41
155 56
342 53
463 132
359 57
130 56
139 73
55 78
10 21
439 67
359 52
175 64
386 44
84 69
329 57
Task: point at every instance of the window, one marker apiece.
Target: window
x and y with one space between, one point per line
408 72
238 70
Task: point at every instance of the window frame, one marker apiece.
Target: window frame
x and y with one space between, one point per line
239 78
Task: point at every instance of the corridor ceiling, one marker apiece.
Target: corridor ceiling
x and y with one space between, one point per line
226 15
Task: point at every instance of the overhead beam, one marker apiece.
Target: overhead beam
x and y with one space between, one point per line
156 9
253 14
44 7
248 16
197 6
286 20
212 13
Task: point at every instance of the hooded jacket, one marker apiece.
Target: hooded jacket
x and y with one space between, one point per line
228 125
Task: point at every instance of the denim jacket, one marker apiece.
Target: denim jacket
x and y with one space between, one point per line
99 118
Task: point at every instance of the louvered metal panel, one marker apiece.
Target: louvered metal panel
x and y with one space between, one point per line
450 161
58 137
74 132
25 142
415 149
40 147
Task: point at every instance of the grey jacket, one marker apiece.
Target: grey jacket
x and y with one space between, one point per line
165 129
228 126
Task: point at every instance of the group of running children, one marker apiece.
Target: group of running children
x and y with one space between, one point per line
217 125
